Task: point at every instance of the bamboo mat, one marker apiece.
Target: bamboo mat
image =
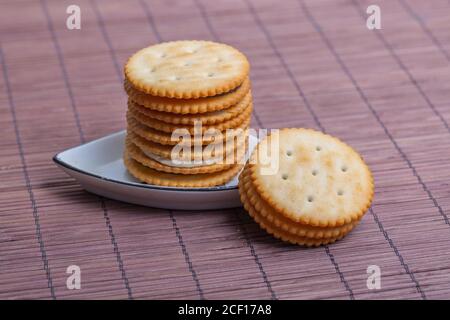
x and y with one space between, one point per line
314 64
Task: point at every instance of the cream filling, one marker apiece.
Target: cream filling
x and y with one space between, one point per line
182 163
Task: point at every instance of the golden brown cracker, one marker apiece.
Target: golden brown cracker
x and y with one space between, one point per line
137 154
209 153
155 177
282 223
136 112
208 118
188 106
187 69
166 138
320 180
279 233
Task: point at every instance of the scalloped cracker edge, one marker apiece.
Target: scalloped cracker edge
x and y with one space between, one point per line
187 69
275 196
188 106
208 118
280 222
153 123
155 177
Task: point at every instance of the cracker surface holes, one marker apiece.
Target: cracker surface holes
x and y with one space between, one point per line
169 59
289 153
314 175
284 176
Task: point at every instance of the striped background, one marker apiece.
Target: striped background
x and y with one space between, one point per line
314 64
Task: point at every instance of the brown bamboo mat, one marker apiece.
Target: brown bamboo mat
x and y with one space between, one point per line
314 64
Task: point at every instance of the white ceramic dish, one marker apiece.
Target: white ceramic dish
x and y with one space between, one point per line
99 169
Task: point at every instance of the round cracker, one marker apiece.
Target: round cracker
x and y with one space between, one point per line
188 106
187 69
320 180
137 154
138 114
282 223
208 118
280 234
155 177
166 138
165 151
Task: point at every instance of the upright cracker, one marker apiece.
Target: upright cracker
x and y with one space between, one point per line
321 181
207 118
283 224
188 106
281 234
187 69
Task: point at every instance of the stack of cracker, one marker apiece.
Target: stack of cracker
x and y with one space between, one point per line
189 108
306 187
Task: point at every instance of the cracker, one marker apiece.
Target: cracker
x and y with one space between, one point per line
187 69
207 118
166 138
155 177
321 181
280 234
136 112
165 151
137 154
282 223
188 106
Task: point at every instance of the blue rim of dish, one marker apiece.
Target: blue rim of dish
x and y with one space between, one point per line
138 185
